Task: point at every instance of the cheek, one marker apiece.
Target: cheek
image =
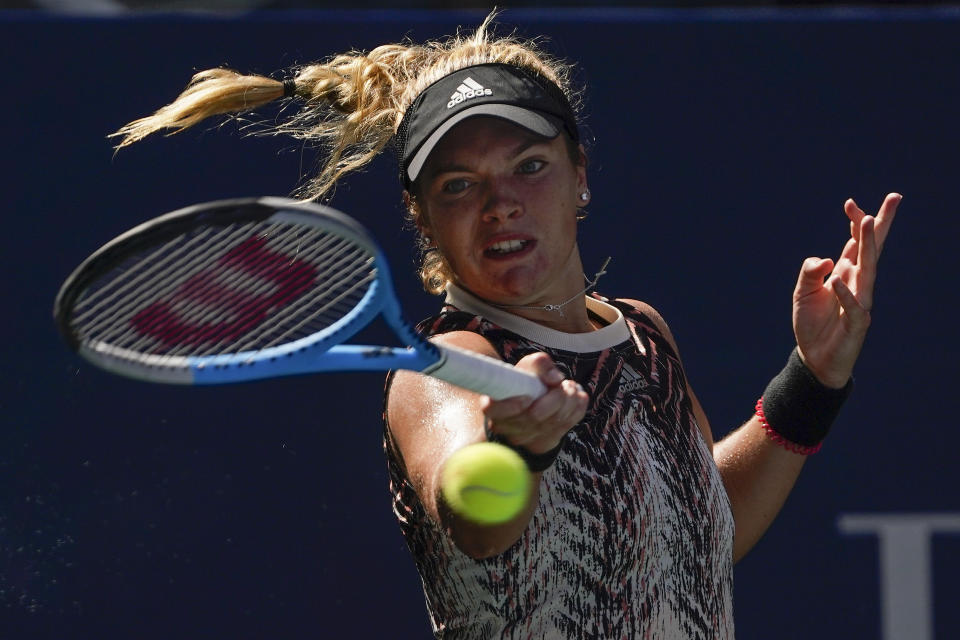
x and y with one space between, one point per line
568 206
450 237
564 193
563 203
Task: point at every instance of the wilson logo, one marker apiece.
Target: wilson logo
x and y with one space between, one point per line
469 88
215 306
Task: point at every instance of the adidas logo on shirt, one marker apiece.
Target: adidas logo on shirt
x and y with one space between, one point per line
469 88
630 380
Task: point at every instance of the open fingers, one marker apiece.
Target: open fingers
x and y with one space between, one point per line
812 273
885 216
855 213
858 315
869 253
851 251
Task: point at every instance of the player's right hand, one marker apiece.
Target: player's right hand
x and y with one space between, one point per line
538 425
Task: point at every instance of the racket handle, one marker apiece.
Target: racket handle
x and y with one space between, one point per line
485 375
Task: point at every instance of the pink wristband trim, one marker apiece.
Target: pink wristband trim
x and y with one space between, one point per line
779 439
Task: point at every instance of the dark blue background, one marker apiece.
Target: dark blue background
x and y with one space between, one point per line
724 144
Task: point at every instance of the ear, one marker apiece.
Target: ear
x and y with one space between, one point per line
416 213
582 185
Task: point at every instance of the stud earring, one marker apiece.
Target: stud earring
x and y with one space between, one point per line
585 195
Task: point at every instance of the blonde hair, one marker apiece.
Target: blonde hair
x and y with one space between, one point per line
351 105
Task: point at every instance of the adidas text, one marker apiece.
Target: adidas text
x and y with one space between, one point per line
470 88
630 380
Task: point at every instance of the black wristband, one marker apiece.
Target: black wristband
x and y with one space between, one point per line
536 462
798 406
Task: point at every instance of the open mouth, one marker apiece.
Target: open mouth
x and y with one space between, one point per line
507 247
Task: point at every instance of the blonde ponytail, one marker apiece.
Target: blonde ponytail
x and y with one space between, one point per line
353 105
210 93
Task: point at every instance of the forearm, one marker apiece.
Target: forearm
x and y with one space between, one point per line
758 474
431 421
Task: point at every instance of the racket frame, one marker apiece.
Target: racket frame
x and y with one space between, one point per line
319 352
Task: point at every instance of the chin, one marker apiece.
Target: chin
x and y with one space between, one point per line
520 289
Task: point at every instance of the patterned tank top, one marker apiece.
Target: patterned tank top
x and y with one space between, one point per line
633 533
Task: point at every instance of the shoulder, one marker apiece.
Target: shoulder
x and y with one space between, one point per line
450 326
460 329
643 311
654 317
448 319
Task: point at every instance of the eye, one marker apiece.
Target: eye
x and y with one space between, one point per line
455 186
531 166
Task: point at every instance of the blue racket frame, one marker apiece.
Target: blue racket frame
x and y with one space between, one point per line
320 352
324 352
315 353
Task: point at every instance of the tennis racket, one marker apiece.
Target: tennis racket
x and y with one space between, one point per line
246 289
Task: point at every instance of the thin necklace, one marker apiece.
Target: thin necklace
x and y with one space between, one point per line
559 307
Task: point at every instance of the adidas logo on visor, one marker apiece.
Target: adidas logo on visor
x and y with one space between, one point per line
469 88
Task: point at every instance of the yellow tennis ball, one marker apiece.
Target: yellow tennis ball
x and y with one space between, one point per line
486 482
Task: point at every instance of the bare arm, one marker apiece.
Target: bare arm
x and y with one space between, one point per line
830 323
757 473
430 419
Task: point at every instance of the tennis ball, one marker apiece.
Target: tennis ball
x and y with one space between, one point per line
486 483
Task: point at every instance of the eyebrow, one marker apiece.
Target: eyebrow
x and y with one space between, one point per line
532 141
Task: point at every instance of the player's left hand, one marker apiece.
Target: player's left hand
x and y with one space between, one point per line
831 317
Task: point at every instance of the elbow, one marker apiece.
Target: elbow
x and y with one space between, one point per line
739 551
480 547
485 541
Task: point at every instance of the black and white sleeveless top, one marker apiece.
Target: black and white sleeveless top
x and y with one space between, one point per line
633 534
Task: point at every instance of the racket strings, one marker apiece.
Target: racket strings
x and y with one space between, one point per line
323 317
224 306
228 292
212 292
100 301
212 300
349 272
157 275
327 246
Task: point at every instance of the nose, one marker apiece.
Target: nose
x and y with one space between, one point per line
501 203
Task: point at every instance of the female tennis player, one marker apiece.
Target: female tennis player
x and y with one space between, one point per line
636 516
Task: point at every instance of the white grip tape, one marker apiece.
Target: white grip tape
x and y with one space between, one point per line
485 375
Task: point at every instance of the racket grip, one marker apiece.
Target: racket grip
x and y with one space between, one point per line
485 375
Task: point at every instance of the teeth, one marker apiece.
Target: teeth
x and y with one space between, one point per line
508 246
